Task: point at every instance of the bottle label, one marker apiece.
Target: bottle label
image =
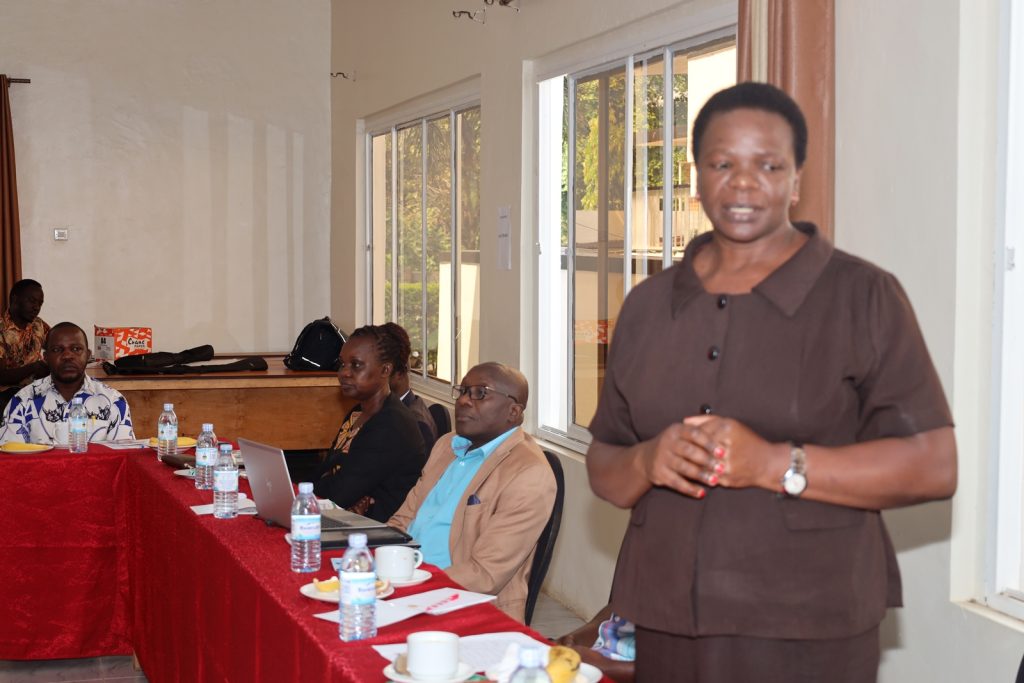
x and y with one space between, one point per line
78 425
358 588
167 432
305 527
206 457
225 481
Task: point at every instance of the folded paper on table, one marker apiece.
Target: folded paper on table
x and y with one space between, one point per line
125 444
245 507
435 602
480 651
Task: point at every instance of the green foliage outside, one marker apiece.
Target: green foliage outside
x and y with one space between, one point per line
437 186
608 91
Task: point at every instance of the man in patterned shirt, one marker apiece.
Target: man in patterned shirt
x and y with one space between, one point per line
39 412
22 333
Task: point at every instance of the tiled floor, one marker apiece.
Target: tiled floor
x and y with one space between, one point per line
94 669
549 617
552 619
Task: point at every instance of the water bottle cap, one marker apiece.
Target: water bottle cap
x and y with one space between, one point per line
77 400
207 427
530 657
306 487
168 407
357 540
225 447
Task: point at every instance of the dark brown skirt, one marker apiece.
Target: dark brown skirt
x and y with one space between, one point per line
664 657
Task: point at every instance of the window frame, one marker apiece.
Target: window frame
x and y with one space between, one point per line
575 436
1004 575
420 114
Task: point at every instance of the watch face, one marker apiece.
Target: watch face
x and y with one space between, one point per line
794 483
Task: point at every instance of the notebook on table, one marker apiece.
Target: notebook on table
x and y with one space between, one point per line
273 493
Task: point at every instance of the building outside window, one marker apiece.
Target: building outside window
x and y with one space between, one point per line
424 237
617 203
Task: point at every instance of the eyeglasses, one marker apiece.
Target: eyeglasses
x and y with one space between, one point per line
477 392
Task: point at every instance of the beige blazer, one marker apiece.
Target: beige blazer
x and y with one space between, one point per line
492 542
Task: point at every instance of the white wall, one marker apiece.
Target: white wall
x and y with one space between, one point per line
186 146
916 109
916 116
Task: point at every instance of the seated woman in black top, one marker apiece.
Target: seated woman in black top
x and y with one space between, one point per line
379 452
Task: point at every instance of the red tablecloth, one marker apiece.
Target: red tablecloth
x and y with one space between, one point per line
63 549
215 600
101 554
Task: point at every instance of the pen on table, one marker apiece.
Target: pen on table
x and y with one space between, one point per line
451 598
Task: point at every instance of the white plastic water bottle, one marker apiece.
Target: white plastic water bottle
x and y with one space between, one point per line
357 592
225 485
78 419
531 667
206 457
166 432
305 530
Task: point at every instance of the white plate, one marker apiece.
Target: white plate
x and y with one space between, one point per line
464 672
588 673
418 577
18 448
311 591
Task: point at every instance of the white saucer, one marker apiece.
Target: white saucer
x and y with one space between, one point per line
311 591
418 577
464 672
588 673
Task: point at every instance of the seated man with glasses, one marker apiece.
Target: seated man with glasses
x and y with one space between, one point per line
39 412
485 493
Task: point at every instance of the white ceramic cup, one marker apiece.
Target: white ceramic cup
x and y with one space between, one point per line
433 655
397 562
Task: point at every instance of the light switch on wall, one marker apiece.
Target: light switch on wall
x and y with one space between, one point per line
61 234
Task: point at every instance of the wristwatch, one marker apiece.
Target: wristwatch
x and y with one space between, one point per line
794 481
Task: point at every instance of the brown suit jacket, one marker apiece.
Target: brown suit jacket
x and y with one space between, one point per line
493 541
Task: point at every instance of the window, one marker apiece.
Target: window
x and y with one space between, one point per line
1005 581
604 183
424 225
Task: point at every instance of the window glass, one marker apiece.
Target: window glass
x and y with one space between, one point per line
424 184
585 249
468 202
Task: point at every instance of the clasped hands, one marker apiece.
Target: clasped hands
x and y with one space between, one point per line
709 451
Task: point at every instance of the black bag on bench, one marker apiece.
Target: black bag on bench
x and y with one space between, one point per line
317 348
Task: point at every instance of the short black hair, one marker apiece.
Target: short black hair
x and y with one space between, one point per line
391 341
760 96
22 286
63 326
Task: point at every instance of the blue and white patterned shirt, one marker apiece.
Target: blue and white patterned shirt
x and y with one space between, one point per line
39 414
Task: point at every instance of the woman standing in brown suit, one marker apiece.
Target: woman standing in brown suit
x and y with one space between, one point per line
763 401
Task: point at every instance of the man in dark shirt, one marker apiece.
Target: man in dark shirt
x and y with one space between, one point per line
22 333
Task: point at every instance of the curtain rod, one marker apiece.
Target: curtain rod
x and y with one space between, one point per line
19 80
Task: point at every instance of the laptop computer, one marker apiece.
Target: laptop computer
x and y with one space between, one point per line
273 494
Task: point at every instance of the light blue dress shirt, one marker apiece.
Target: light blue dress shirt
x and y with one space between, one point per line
433 522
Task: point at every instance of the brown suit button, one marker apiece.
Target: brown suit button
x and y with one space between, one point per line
723 301
714 353
705 409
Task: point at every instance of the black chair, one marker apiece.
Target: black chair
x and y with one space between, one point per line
442 418
546 542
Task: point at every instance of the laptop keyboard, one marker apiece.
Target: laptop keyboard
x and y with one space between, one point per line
333 524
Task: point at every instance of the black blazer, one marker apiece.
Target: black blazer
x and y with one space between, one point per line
383 462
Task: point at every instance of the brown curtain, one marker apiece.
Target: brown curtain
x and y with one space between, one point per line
800 56
10 225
